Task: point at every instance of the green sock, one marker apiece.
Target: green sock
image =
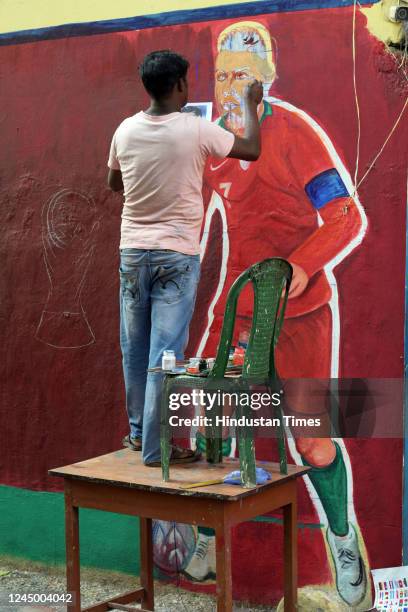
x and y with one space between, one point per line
330 483
208 531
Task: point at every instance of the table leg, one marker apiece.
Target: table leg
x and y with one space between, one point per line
290 555
72 550
146 563
223 568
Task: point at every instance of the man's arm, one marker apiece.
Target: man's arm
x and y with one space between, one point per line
248 147
115 180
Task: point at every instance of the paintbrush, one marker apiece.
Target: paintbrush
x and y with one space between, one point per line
206 483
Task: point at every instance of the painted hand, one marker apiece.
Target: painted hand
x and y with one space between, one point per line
299 281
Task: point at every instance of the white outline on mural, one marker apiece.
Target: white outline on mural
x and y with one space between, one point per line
67 256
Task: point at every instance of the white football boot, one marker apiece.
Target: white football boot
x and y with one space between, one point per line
351 576
202 564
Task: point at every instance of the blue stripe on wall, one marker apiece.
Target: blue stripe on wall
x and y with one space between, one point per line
254 8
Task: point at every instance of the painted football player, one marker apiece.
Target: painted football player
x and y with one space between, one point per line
297 202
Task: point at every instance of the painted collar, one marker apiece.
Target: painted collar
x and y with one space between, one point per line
267 111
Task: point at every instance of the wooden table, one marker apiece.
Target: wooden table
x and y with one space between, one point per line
119 482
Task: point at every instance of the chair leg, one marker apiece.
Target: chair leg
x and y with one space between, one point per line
214 436
213 448
246 448
247 461
283 461
165 430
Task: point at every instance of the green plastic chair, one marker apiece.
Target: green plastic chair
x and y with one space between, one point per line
271 279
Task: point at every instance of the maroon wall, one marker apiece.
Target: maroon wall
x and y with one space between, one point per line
62 101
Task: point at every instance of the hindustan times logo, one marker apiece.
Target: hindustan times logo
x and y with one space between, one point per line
243 421
212 400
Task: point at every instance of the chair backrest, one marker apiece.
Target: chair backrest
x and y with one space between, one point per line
271 280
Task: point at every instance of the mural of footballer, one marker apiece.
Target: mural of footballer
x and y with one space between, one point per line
294 202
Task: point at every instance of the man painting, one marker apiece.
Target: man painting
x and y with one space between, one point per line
157 159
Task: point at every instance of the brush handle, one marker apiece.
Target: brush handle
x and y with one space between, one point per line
206 483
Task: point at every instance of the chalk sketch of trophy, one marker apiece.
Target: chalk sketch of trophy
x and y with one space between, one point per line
68 237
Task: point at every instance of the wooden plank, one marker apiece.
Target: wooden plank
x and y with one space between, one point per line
134 502
124 468
124 598
196 511
117 606
114 605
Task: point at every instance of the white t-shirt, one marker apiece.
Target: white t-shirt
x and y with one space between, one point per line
162 161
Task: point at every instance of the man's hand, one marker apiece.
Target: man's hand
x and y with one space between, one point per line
254 92
249 146
299 281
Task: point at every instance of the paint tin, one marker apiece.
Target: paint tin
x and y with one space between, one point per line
210 363
192 369
202 365
168 360
193 365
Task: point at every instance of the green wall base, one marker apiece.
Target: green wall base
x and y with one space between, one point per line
32 527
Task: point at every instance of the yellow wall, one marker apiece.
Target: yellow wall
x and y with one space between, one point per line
379 24
30 14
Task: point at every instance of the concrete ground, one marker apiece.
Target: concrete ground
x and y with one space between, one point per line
20 576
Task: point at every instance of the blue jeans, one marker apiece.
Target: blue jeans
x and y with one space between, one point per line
157 296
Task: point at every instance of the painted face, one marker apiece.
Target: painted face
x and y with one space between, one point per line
234 70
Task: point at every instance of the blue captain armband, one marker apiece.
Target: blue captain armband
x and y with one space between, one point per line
325 187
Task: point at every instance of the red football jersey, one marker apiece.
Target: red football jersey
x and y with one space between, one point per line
273 207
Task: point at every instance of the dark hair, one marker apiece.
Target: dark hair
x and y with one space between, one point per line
161 71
